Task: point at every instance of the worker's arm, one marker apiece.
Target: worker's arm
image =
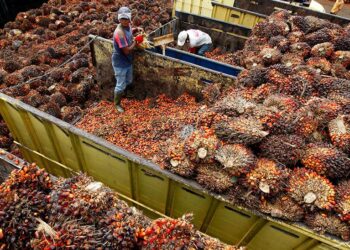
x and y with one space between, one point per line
127 50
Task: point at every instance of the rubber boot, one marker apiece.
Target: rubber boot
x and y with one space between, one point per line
117 100
129 92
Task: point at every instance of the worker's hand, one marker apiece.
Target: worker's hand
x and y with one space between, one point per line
192 50
139 39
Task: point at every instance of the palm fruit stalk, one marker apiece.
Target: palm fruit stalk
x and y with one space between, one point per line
326 160
267 177
339 132
236 159
343 199
311 190
241 130
328 223
285 149
213 178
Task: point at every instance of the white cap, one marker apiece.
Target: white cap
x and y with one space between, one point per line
181 39
124 13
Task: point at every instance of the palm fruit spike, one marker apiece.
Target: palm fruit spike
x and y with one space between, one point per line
201 146
213 178
339 131
308 188
322 50
235 158
342 57
241 130
178 162
233 105
324 222
343 199
326 160
321 64
270 56
283 207
285 149
267 177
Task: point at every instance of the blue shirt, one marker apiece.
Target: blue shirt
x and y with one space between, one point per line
122 38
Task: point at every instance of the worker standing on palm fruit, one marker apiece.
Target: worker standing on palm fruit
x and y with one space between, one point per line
199 41
122 59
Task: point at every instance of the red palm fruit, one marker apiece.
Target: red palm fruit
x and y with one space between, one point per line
339 131
292 60
285 149
267 177
241 130
214 178
236 159
296 37
328 223
308 188
343 199
323 109
270 56
326 160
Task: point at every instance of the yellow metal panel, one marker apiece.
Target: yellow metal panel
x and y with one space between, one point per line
248 20
323 246
275 237
152 188
109 168
18 127
43 139
230 224
64 144
188 200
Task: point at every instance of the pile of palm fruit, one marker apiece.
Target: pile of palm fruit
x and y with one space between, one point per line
41 212
35 46
282 143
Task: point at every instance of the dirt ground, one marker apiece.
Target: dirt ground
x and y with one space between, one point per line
327 4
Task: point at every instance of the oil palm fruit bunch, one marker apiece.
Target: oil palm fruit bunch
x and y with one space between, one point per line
236 159
241 130
177 160
253 77
23 198
322 50
281 102
201 146
285 149
328 223
267 177
292 60
339 132
271 28
329 85
283 207
343 199
320 36
214 178
301 49
311 189
323 109
233 105
326 160
320 64
341 57
279 42
270 56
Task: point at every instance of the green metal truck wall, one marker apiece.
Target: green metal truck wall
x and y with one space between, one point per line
64 150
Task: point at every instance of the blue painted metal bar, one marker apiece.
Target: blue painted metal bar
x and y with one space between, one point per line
200 61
